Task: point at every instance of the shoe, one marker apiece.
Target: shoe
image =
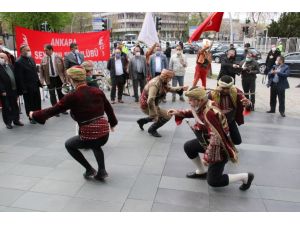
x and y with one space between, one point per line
113 102
121 101
182 99
246 186
32 121
154 133
270 111
89 173
197 176
65 113
57 115
173 99
141 123
136 100
19 123
282 114
101 175
298 86
9 126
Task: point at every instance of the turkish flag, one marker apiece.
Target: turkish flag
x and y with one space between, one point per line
211 23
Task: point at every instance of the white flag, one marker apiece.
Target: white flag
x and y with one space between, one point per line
148 34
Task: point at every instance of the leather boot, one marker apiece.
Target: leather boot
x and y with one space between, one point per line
141 122
153 129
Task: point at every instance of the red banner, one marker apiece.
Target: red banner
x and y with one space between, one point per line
94 46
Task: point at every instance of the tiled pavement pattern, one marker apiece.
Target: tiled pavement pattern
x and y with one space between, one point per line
146 173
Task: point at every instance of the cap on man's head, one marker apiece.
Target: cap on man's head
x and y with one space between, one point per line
77 73
197 93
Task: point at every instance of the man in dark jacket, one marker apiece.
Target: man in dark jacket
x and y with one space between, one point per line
278 83
249 68
74 58
228 65
168 51
9 93
117 66
271 58
137 72
26 71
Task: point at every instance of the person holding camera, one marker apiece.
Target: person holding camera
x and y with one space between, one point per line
249 68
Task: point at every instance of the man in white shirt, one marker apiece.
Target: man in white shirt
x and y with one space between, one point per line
117 65
178 64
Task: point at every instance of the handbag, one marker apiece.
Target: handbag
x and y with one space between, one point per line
93 129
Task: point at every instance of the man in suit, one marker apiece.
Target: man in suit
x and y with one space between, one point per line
137 72
74 58
25 70
158 62
278 82
52 72
117 66
9 93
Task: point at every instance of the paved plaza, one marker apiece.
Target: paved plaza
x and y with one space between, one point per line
147 173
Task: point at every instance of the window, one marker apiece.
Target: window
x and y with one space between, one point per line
293 57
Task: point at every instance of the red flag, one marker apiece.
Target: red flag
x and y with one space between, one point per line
211 23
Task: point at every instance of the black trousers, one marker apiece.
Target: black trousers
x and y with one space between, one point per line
117 81
140 81
75 143
274 93
32 100
55 84
234 133
10 108
249 86
215 176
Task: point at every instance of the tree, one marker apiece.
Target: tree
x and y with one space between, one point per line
196 19
33 20
287 25
259 17
81 22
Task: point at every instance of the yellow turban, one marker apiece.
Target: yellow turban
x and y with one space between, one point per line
196 93
77 73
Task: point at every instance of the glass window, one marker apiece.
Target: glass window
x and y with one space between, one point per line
293 57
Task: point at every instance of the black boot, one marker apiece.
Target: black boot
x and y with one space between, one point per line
141 122
153 129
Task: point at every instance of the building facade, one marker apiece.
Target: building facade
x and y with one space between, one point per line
173 25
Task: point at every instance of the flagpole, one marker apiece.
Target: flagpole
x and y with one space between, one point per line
213 39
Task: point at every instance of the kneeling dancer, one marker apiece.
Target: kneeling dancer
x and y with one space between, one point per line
219 148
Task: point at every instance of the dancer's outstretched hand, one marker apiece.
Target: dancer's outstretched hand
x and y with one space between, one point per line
185 88
172 112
